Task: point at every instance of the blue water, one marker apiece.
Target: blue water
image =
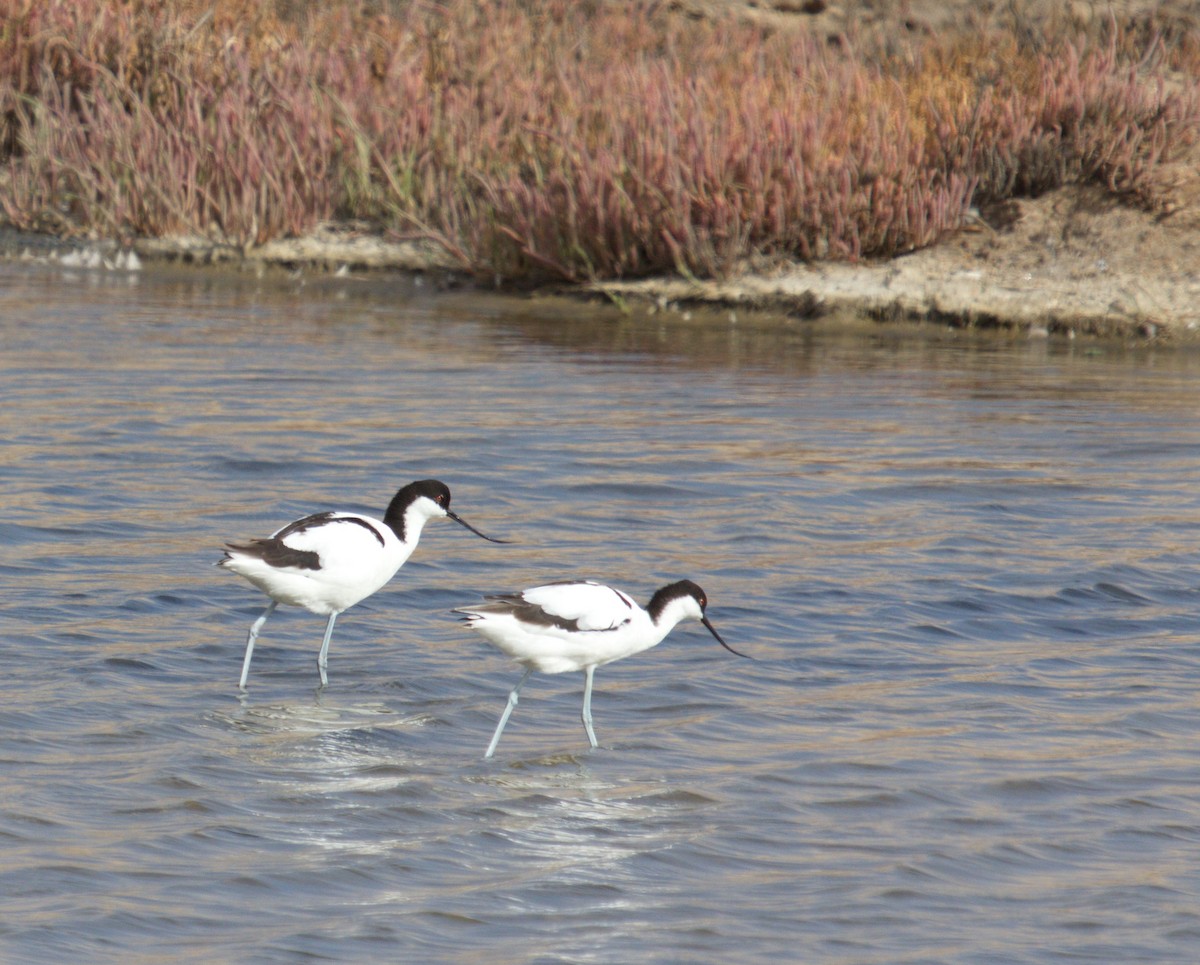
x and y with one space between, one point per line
968 568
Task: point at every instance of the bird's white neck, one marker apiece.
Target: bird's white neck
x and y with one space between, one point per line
676 611
414 520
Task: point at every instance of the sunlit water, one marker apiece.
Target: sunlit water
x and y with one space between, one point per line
969 570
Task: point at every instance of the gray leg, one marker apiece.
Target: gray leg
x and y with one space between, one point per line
587 705
512 702
323 656
254 628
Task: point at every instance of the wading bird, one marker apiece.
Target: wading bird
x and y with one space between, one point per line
580 625
328 562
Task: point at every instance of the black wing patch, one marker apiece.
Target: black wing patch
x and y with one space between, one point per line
534 615
274 552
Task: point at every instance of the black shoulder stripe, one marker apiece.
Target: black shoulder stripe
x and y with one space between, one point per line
300 525
624 599
358 520
326 519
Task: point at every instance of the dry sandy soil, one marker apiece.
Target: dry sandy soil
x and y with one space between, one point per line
1074 261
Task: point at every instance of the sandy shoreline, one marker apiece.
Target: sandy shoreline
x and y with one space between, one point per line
1073 262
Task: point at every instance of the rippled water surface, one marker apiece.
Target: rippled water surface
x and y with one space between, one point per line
969 570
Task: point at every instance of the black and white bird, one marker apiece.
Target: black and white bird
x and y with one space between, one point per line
580 625
328 562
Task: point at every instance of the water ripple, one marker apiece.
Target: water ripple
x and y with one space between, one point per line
966 570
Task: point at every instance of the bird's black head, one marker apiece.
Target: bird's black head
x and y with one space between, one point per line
434 489
679 591
675 591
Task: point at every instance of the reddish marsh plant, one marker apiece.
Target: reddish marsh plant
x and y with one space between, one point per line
553 139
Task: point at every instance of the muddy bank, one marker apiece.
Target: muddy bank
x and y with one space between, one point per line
1071 263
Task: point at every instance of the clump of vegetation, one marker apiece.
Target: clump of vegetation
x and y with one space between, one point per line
551 138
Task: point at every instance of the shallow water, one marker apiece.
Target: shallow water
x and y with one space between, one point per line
967 568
